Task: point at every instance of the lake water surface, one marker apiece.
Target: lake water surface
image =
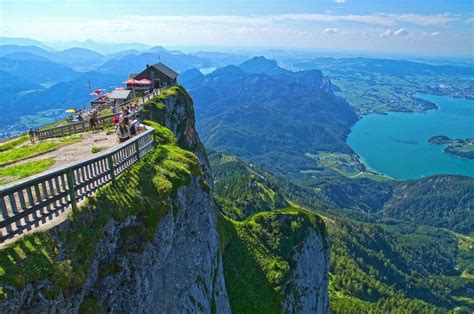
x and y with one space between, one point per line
397 144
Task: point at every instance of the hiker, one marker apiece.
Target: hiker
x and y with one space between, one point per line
93 120
123 130
136 126
32 135
123 115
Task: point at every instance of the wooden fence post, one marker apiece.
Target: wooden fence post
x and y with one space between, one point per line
111 167
72 192
137 149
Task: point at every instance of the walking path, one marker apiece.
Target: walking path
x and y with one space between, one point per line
44 200
78 151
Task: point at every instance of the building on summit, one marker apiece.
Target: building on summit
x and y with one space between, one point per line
153 77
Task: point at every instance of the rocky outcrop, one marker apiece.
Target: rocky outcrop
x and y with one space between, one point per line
307 289
327 86
179 270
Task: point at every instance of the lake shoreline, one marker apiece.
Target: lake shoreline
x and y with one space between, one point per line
395 144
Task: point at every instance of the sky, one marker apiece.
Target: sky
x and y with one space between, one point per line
422 28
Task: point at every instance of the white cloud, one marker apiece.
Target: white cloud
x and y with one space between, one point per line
470 21
340 1
401 32
283 30
330 30
387 33
378 18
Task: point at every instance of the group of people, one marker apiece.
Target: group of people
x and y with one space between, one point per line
91 115
128 124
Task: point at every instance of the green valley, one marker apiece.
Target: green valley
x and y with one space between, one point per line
375 267
383 85
344 164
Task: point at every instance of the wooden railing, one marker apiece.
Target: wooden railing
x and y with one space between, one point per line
72 128
77 127
82 126
30 203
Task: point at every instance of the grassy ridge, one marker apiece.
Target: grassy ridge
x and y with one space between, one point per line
257 255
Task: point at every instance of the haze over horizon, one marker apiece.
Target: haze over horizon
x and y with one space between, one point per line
404 27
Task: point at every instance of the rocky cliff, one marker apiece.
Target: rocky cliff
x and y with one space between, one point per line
176 269
149 243
277 262
307 288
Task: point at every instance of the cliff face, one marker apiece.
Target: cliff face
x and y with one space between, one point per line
277 261
307 289
158 248
178 270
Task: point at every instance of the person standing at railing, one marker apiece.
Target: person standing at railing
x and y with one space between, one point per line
123 130
136 126
93 120
123 115
32 135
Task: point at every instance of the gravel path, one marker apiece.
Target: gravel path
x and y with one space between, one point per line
78 151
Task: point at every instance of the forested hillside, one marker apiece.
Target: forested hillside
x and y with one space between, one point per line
440 201
375 266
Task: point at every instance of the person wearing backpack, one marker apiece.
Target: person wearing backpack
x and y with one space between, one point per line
123 130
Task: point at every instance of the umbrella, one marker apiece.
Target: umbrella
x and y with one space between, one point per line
131 81
71 110
97 92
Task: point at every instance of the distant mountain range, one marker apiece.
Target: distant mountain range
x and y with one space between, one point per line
37 78
263 87
261 111
23 42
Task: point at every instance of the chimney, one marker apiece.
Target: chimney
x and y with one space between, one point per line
147 66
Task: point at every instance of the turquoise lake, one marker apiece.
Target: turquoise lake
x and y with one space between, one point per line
397 144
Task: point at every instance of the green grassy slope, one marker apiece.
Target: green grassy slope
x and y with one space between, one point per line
376 267
257 255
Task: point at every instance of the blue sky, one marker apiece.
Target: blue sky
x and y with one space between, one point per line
429 27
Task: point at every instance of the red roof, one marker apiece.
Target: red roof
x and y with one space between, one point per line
144 81
131 81
134 81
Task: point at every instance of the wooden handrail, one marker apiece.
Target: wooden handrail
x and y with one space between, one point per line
71 128
77 127
32 202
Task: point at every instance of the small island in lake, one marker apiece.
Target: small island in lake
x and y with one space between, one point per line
460 147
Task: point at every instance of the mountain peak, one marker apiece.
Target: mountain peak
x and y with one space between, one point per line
228 70
262 65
